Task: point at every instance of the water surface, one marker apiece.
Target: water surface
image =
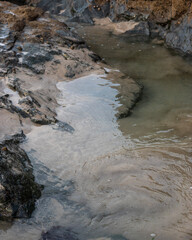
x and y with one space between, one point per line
123 179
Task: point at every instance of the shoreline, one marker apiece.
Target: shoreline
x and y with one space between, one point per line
33 59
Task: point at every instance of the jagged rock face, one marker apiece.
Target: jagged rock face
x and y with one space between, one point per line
28 41
161 11
169 19
75 10
18 190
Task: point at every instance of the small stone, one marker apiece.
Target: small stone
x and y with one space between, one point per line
19 48
153 235
4 149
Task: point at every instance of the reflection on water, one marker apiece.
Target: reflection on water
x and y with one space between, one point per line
129 178
167 79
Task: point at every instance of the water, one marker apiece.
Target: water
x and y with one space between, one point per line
128 178
166 77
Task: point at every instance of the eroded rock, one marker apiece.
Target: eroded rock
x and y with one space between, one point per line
18 190
168 19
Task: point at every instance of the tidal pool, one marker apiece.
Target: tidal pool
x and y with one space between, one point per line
117 179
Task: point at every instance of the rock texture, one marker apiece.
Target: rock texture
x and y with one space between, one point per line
36 52
33 48
168 19
59 233
18 190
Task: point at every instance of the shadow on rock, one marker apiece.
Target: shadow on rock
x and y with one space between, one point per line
59 233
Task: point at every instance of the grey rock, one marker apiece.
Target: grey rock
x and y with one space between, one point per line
34 56
179 36
62 126
139 33
59 233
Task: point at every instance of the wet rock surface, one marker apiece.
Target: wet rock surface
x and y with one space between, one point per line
18 190
169 20
36 52
36 43
30 50
59 233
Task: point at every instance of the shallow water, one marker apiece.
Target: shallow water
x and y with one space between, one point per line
127 178
166 77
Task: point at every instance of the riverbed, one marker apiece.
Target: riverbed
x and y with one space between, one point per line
117 178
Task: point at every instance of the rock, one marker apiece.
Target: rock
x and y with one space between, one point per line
170 20
59 233
70 73
75 10
134 31
18 190
179 36
35 57
140 32
95 57
128 96
62 126
5 103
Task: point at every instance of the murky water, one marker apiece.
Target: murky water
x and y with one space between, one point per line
122 179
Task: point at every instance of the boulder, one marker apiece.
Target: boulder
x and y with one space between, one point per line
18 190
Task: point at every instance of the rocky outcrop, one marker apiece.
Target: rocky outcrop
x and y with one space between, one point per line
169 20
18 190
29 41
35 53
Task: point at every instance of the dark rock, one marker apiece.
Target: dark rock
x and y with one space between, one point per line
118 237
40 118
35 57
70 36
29 109
170 20
132 15
179 36
7 104
95 57
70 72
18 190
62 126
18 2
139 33
3 72
59 233
8 61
